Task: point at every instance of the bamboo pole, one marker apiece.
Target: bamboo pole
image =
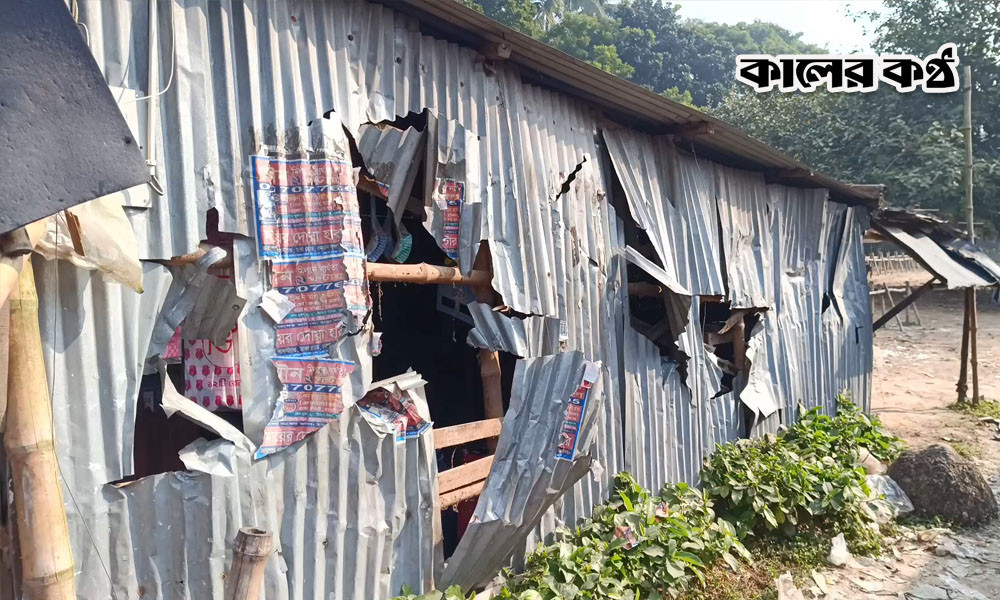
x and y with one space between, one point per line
425 273
974 356
962 386
251 549
46 556
973 318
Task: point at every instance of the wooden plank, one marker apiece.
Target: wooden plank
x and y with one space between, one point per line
464 475
895 310
457 435
465 493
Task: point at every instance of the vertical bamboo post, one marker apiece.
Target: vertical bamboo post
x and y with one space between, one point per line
973 318
489 361
251 549
46 555
973 355
962 386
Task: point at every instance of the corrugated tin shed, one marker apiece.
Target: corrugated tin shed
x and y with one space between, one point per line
527 147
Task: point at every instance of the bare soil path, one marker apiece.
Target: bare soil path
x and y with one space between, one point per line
914 382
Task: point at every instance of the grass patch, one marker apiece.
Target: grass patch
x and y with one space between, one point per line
985 408
772 557
966 450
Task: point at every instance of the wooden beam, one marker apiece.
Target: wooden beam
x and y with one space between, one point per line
489 361
461 494
895 310
464 475
693 129
456 435
425 273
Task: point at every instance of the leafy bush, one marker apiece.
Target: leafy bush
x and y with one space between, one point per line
844 435
792 491
635 546
804 480
764 485
452 593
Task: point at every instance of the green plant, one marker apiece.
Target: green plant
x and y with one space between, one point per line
804 480
635 546
980 410
965 450
452 593
785 495
844 434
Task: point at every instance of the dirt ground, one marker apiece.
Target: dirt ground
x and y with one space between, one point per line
915 374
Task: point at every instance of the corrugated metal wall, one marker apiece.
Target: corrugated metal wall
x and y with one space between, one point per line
254 72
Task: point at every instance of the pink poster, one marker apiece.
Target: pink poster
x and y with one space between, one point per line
212 373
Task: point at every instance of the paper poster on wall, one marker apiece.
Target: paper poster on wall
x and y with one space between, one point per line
570 431
311 398
309 228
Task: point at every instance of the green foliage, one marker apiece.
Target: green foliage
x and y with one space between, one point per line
843 435
520 15
591 39
965 450
677 96
453 593
635 546
980 410
804 480
785 495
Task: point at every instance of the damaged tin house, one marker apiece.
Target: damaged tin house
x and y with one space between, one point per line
406 289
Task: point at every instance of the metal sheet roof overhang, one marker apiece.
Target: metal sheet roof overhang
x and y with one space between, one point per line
622 100
934 258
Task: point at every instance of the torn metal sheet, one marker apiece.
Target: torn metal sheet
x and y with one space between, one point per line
94 335
759 394
53 90
952 272
358 506
529 337
393 157
643 166
174 403
184 293
973 254
452 190
215 457
543 450
695 199
215 311
746 244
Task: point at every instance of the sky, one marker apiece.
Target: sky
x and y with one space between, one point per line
821 22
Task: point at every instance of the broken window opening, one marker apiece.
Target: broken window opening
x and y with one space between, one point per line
201 358
726 333
425 327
